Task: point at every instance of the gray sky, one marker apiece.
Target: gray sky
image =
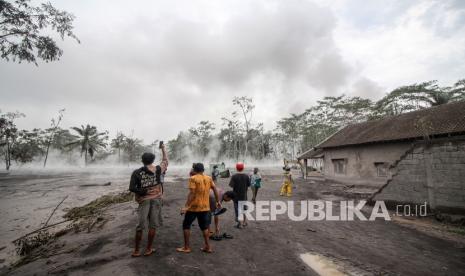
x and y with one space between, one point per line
158 67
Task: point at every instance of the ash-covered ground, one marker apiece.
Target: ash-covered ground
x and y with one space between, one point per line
396 247
28 196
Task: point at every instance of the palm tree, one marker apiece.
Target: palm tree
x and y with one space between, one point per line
89 140
132 146
118 143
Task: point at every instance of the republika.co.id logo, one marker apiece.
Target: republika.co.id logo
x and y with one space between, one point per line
313 210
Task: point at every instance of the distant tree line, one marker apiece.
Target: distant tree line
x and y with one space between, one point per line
240 138
237 138
24 146
300 132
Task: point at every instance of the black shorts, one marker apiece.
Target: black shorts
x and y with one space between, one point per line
203 218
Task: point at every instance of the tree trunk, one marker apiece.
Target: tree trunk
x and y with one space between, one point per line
246 137
85 158
8 156
46 153
6 161
246 147
52 135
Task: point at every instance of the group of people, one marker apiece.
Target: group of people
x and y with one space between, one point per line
204 200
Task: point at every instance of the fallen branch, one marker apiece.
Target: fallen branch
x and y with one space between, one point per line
93 223
98 205
40 229
54 210
94 185
102 204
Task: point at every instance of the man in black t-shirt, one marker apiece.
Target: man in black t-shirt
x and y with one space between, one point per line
240 183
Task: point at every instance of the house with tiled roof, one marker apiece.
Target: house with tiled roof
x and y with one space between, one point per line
413 157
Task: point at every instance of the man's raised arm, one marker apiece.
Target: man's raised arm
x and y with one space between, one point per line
164 159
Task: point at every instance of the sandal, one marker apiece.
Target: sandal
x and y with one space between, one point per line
216 237
209 250
183 250
218 212
149 252
227 236
135 255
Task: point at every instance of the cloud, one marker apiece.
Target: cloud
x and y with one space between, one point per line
158 67
424 41
367 88
162 66
289 39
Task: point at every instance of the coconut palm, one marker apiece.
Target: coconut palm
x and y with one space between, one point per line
118 144
89 140
133 148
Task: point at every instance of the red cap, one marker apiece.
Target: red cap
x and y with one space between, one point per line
239 166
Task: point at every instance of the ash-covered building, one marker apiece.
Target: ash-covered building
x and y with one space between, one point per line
413 157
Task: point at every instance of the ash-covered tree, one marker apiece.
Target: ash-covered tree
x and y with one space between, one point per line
55 123
419 95
61 138
118 144
299 132
201 138
8 134
246 107
342 110
133 148
89 140
230 137
176 148
25 29
28 146
288 134
260 142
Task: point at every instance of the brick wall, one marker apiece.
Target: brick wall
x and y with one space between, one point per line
434 173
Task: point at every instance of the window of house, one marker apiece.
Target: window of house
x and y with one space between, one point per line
340 166
382 169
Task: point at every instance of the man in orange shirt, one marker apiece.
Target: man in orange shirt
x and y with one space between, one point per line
198 207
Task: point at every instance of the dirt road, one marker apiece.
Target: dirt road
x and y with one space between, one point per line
263 248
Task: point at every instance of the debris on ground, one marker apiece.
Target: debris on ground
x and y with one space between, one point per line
95 185
81 218
27 244
97 205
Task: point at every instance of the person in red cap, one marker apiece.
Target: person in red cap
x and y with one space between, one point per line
240 183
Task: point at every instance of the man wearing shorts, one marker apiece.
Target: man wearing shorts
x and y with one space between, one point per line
147 184
198 207
224 197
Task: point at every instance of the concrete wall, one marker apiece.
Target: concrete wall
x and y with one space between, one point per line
433 173
361 161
